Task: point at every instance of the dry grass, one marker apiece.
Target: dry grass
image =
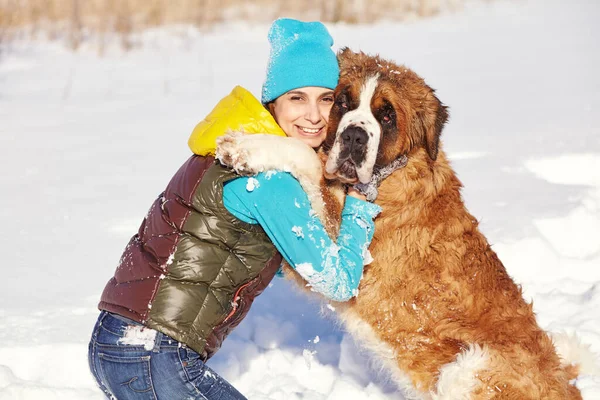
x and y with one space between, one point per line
77 19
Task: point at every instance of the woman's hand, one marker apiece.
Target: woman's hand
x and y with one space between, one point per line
356 194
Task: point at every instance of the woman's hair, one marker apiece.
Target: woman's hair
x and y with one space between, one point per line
270 107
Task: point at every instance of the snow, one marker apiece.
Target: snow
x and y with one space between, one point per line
308 356
298 231
88 142
139 336
269 174
305 269
252 184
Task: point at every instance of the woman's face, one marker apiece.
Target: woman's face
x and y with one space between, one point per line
303 113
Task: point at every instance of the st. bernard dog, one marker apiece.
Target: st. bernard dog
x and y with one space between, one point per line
436 305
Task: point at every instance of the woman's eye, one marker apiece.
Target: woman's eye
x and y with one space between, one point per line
328 99
296 98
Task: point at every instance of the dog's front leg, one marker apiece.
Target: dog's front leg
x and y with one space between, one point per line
249 154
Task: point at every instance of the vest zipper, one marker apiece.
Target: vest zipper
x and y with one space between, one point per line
237 299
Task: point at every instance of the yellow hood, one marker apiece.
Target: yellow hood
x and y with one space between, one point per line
238 111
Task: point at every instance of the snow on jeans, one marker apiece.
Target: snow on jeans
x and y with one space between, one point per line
130 361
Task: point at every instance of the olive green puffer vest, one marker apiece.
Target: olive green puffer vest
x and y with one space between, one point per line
193 269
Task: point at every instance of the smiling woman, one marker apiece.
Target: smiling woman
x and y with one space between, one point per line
213 240
303 113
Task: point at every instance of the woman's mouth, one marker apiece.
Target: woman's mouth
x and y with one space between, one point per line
309 131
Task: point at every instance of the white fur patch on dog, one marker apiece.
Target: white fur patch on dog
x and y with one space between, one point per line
458 379
253 153
366 337
573 352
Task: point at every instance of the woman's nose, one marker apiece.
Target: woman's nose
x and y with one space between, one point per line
313 114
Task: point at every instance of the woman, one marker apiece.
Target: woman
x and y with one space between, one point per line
212 240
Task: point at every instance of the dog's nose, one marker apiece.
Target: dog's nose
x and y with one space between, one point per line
355 137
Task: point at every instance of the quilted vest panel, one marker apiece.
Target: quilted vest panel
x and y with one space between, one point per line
193 269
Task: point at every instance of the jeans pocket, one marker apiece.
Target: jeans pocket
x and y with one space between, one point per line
191 362
127 377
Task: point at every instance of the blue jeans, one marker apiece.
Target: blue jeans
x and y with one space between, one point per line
130 361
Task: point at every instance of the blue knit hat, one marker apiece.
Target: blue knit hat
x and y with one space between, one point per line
301 56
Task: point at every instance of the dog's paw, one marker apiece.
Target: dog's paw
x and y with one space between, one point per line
227 147
231 152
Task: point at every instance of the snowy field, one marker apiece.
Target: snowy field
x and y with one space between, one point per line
87 142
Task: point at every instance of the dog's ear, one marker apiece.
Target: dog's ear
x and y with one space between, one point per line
344 51
346 58
432 117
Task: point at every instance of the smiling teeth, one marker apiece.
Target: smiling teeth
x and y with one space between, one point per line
308 130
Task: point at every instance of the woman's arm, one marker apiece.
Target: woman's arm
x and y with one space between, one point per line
277 202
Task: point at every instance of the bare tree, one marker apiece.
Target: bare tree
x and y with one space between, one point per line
71 18
75 29
337 14
124 24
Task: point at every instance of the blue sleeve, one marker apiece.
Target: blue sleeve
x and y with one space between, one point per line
277 202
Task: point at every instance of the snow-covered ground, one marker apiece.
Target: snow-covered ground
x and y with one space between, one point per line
87 142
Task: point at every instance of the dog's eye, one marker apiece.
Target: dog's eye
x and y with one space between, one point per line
342 106
387 119
342 103
386 114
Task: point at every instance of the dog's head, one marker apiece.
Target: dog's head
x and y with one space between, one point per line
381 111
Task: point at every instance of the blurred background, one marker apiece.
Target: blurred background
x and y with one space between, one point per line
79 20
98 99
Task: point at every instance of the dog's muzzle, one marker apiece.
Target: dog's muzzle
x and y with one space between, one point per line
352 144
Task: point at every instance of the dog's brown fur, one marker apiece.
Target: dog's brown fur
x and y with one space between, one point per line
444 288
435 286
